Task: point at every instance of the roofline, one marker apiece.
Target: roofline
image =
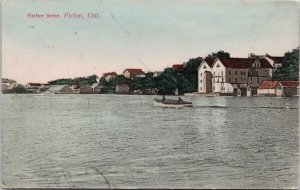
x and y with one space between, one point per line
201 64
216 61
132 68
288 81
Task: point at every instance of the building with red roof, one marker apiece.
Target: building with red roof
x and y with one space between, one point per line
287 88
279 88
267 88
133 73
178 67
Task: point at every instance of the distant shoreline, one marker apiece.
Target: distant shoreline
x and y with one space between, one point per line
182 95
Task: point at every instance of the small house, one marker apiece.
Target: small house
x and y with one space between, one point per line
5 87
9 82
76 88
134 73
178 67
86 89
44 87
34 87
287 88
96 88
243 90
267 88
59 89
122 88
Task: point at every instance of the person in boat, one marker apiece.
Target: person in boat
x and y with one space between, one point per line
163 98
179 101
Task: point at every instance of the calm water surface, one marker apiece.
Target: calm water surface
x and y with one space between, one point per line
116 141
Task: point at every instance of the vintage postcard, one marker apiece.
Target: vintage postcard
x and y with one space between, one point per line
139 94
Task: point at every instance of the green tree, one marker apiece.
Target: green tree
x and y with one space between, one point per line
92 79
78 80
166 82
20 89
110 86
190 73
220 54
290 67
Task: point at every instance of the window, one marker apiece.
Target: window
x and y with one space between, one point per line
242 73
222 73
204 67
222 79
201 74
201 88
200 81
235 72
235 80
229 72
214 73
218 65
257 80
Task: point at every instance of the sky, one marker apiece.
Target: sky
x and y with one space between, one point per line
146 34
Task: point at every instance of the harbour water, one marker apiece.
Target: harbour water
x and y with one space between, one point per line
122 141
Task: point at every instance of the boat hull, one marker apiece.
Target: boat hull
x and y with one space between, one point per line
156 103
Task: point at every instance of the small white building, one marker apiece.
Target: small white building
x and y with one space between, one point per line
205 75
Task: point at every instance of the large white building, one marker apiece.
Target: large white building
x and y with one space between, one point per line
233 75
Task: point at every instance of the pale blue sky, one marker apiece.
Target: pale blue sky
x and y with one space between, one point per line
145 34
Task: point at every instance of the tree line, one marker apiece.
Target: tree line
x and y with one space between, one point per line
185 80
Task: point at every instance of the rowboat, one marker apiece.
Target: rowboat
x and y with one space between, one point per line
169 103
